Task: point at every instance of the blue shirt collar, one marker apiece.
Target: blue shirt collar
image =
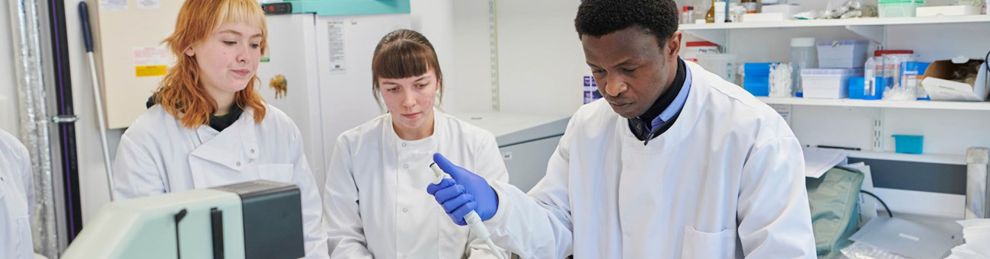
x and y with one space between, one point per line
675 106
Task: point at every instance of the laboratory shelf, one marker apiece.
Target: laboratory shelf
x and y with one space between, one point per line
925 158
929 105
873 21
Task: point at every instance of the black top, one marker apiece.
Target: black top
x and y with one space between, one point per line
218 123
642 126
221 122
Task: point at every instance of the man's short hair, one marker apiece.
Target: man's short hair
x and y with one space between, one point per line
600 17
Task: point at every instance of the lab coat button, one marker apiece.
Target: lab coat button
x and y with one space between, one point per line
405 166
252 151
237 164
403 144
405 210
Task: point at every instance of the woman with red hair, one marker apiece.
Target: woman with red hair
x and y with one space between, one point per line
209 126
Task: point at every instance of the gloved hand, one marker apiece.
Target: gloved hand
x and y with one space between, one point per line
462 194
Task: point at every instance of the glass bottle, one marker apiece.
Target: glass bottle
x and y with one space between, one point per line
710 16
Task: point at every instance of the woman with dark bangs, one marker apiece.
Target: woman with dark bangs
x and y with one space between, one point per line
376 205
209 126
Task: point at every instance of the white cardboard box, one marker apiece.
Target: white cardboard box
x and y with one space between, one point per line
947 90
951 10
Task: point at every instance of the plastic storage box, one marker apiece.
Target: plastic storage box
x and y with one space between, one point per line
842 54
899 8
824 83
756 78
909 144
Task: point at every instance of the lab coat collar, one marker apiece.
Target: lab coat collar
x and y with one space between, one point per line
392 138
234 147
686 121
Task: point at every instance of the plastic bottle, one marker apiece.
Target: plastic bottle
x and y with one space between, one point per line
687 14
804 54
869 75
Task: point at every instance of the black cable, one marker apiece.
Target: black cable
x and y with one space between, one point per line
889 214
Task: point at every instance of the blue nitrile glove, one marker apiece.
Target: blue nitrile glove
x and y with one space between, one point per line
462 194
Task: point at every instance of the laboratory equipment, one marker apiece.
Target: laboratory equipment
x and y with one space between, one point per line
326 64
804 54
827 83
473 220
257 219
526 141
892 62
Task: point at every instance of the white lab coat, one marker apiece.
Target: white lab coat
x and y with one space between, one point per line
16 199
377 204
158 155
726 180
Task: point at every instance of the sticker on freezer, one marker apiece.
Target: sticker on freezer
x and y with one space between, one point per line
335 32
151 61
149 4
113 5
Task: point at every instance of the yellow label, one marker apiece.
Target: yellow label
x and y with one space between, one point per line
152 70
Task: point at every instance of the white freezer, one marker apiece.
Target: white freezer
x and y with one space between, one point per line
326 61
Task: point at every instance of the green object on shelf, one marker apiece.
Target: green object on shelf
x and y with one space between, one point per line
349 7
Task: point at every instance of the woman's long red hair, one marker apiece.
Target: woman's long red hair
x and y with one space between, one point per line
180 92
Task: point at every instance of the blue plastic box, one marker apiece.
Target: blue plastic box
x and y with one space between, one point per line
756 78
857 91
909 144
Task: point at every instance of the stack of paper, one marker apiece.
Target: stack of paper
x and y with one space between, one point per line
976 232
817 160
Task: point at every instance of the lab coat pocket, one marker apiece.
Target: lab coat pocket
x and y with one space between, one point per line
276 172
704 245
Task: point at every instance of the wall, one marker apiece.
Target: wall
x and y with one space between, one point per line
8 90
541 63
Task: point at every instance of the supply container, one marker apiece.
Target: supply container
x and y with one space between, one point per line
723 65
804 54
842 53
694 48
827 83
908 144
898 8
756 78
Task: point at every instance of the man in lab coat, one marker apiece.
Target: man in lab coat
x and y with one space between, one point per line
675 162
15 199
